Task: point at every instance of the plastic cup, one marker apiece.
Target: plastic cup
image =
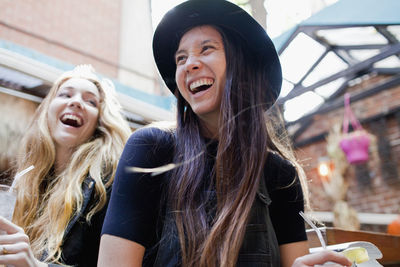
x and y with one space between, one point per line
8 197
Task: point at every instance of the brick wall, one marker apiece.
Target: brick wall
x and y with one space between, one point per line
375 186
73 31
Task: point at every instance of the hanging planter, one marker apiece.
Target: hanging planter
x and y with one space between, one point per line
354 144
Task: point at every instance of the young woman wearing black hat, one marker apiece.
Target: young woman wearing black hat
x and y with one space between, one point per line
227 192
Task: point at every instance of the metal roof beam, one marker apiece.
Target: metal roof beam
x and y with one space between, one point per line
359 47
313 67
339 26
338 102
289 40
311 32
386 71
388 35
298 89
306 121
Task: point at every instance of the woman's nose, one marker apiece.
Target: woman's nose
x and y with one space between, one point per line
76 101
192 63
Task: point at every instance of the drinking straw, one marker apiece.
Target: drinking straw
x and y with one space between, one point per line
19 174
321 239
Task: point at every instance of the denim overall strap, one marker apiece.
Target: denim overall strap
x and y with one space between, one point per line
260 246
169 248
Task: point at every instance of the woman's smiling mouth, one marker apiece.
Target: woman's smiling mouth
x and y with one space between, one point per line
200 85
71 120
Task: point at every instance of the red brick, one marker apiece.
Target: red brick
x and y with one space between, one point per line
91 27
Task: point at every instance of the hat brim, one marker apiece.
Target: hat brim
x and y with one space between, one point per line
220 13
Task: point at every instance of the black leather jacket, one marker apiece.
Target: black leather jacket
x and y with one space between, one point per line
81 240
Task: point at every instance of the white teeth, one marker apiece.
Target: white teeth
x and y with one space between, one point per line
72 117
201 82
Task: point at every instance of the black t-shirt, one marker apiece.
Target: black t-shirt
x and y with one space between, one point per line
135 212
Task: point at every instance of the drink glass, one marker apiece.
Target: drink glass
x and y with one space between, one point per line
8 197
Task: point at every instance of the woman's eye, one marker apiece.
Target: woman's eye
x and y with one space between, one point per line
206 48
180 59
64 94
92 102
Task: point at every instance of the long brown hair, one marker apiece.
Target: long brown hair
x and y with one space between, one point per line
243 145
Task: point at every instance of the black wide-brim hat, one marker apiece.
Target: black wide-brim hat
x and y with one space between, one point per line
220 13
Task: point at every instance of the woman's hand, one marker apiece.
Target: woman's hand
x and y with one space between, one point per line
15 249
326 258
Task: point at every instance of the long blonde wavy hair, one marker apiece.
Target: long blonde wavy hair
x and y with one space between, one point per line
46 201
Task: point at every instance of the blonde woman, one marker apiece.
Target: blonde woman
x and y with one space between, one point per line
74 143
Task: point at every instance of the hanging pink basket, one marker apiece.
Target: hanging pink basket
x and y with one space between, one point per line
354 144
